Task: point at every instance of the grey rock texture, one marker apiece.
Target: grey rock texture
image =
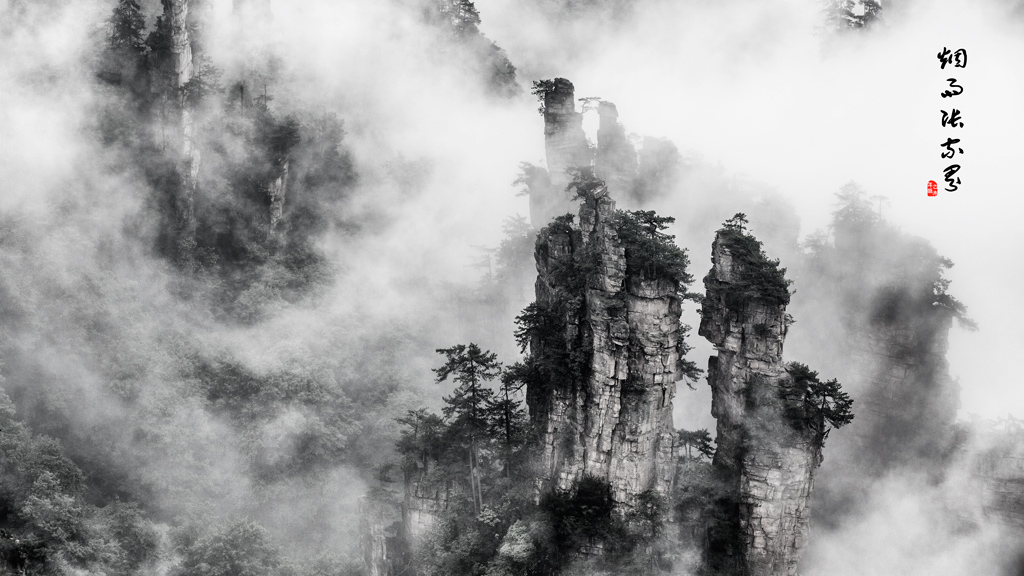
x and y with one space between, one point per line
176 19
767 465
276 192
565 145
612 421
176 70
381 544
616 160
910 401
425 500
1000 472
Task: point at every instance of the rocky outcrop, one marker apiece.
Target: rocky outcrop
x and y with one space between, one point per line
175 18
425 500
616 159
608 413
565 145
629 176
382 542
253 33
910 401
766 464
175 68
391 530
276 194
1000 470
881 321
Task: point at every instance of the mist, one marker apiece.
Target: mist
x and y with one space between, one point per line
111 348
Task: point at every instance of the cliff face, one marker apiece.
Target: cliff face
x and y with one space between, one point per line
631 177
879 295
766 465
177 70
616 160
612 418
424 502
565 145
276 194
382 543
910 403
176 19
253 33
1000 470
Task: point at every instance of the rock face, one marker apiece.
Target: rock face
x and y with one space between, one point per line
616 160
253 33
276 193
880 323
176 19
176 69
424 502
630 177
1000 470
910 403
382 543
766 465
565 145
609 415
390 531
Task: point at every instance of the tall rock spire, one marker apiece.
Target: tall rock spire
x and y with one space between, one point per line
176 67
565 145
766 457
606 412
253 32
616 160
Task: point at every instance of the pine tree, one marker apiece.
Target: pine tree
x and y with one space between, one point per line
462 15
127 27
467 407
471 368
507 418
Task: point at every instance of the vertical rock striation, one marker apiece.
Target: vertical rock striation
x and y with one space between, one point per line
177 67
566 147
175 17
276 194
425 500
606 410
382 543
767 465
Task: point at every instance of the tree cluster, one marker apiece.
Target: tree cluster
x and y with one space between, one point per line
755 276
48 525
810 404
460 19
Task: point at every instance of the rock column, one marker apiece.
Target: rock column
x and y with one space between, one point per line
616 161
767 465
610 414
178 68
565 145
